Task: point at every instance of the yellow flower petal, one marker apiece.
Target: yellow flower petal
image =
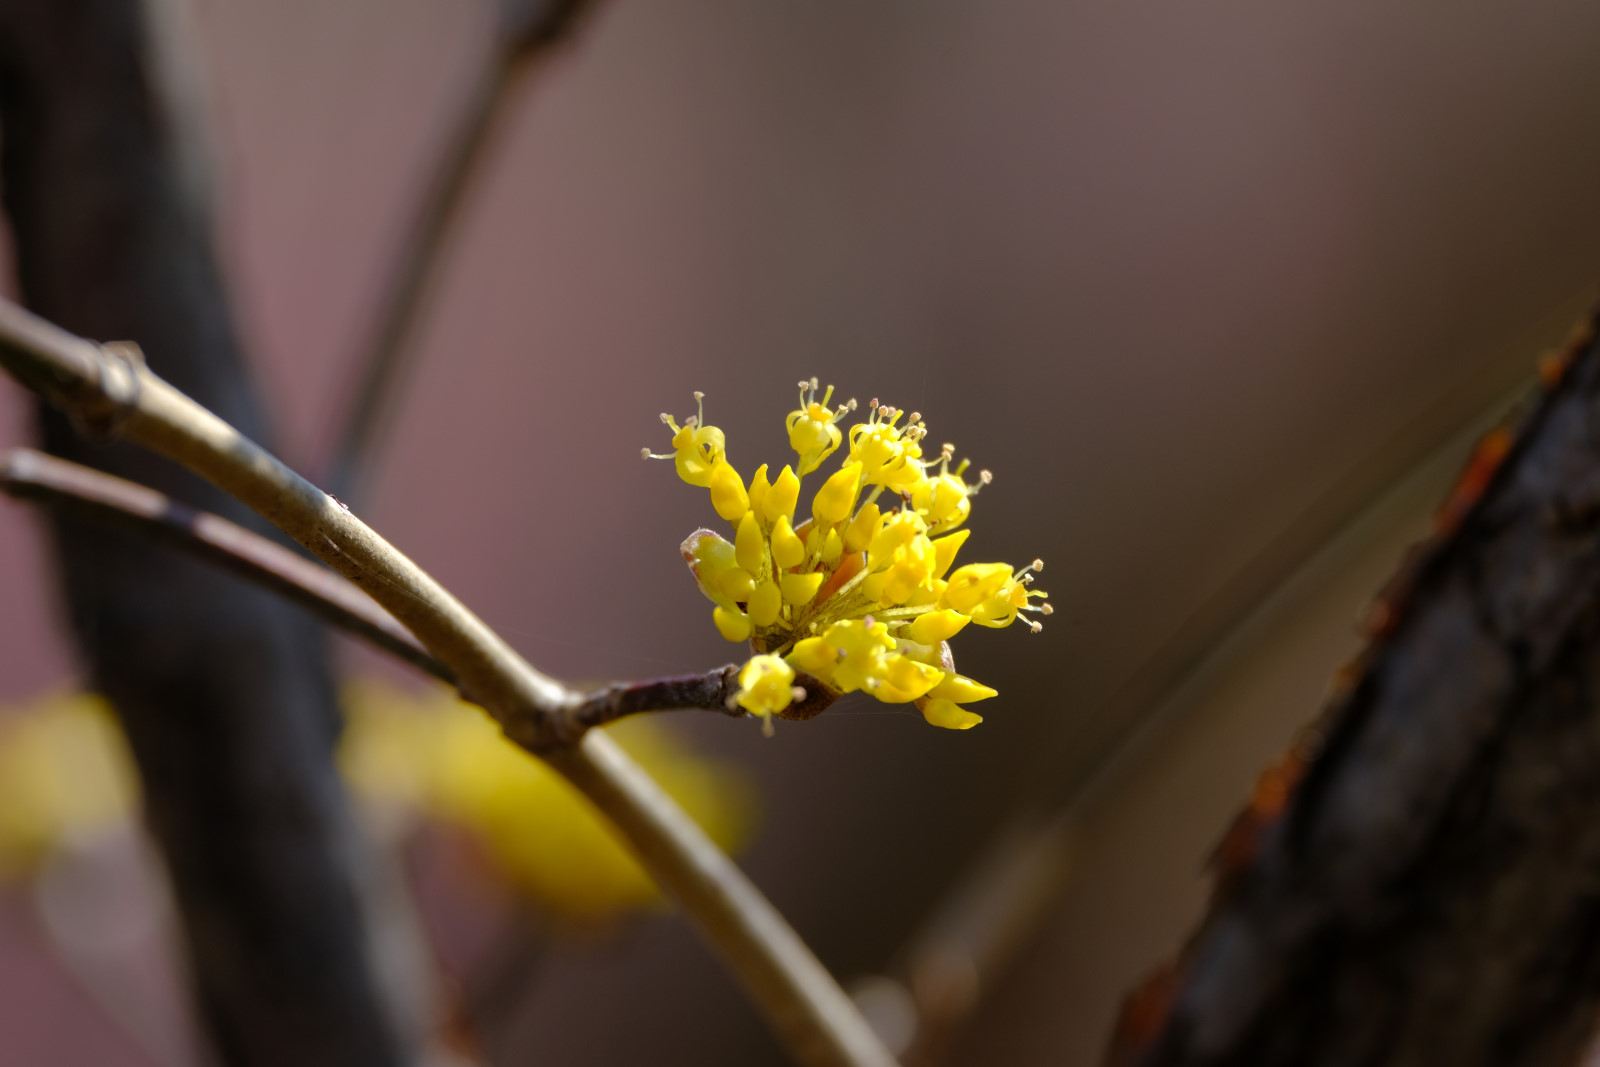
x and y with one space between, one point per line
973 584
961 689
947 714
945 549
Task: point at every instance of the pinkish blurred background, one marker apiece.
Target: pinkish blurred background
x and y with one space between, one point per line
1200 285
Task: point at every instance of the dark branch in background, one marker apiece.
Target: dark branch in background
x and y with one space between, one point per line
526 32
224 691
29 475
1413 883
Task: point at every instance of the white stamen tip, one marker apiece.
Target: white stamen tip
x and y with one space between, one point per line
1036 627
699 396
985 477
1047 609
666 419
644 453
798 692
1038 564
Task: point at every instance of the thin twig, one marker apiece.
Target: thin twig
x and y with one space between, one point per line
29 475
26 474
525 31
106 388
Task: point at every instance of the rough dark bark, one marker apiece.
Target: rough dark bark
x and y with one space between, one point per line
1418 881
224 691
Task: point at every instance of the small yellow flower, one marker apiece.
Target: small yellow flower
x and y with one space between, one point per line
766 685
812 433
857 595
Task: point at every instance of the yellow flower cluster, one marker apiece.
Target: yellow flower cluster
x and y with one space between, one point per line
860 595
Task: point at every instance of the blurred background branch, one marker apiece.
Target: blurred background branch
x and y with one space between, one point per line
525 33
29 475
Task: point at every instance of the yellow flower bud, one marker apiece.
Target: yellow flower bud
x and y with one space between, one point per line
936 626
736 584
961 689
837 497
858 535
727 492
781 498
832 547
787 549
800 588
731 624
749 547
944 713
758 488
765 602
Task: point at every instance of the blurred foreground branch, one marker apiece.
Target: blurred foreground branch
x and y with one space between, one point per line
1413 883
107 387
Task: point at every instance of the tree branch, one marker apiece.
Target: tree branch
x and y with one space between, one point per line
34 476
105 387
29 475
1413 883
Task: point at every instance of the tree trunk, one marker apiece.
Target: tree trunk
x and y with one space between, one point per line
225 692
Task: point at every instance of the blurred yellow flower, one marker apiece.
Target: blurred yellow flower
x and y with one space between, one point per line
65 773
856 595
424 752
